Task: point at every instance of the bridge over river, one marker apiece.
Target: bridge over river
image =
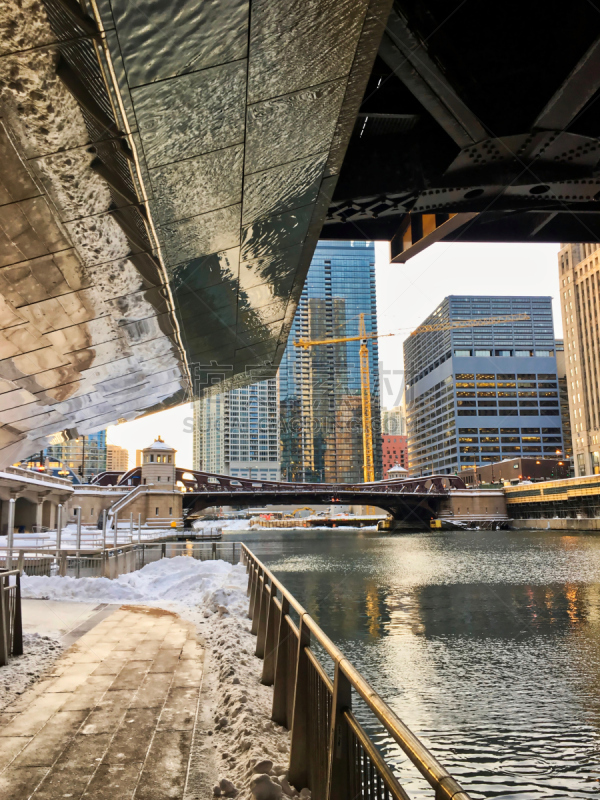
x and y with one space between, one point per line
414 500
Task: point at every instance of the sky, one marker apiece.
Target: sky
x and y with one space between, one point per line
406 294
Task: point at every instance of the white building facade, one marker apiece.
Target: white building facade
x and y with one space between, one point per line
237 432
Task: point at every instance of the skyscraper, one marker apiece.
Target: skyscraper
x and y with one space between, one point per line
85 455
237 432
579 275
480 394
320 398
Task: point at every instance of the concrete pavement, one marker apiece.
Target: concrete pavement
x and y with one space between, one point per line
113 720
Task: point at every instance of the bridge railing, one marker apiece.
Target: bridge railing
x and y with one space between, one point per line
11 628
331 754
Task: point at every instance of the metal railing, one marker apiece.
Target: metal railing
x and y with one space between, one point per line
113 561
11 627
331 753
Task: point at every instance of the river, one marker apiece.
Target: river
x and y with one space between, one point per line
486 644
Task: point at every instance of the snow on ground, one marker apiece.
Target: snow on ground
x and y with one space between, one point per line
40 652
251 751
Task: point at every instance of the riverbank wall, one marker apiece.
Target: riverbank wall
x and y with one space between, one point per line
562 524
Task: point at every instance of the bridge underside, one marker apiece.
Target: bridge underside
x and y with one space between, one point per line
410 508
167 168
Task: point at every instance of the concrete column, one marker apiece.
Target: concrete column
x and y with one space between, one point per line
10 532
78 521
38 515
59 515
104 520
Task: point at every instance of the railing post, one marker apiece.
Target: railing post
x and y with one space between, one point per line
139 528
261 633
299 771
3 625
340 766
17 642
268 673
131 526
280 687
10 532
21 561
62 568
116 524
163 550
104 521
258 591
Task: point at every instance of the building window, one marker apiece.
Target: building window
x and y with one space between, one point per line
581 463
156 513
170 511
168 478
92 513
144 480
158 479
170 458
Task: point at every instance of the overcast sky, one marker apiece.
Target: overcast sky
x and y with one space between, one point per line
406 294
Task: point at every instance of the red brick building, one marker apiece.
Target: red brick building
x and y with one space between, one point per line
394 450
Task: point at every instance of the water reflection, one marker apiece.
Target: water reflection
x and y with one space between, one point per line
486 644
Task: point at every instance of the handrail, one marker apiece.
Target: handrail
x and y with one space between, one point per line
11 627
265 608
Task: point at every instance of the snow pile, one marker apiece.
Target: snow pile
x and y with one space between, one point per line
211 584
40 652
224 524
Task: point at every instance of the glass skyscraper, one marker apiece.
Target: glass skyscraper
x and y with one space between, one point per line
476 395
320 398
84 456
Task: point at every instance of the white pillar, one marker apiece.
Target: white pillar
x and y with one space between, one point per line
78 520
10 531
104 519
139 528
59 510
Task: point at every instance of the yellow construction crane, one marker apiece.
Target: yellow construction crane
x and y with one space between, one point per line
365 378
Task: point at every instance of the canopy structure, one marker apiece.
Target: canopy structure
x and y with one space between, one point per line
166 170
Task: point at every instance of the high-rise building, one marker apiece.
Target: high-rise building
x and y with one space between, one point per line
563 393
85 455
579 276
117 458
480 394
394 452
393 421
321 411
237 432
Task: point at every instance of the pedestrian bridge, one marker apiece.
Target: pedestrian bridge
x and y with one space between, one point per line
407 499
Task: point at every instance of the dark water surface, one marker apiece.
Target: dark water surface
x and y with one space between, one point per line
486 644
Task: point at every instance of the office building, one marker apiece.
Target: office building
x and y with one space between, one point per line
579 276
237 432
84 456
475 395
394 452
393 421
563 394
320 397
117 458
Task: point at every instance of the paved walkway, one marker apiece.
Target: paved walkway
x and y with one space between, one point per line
114 720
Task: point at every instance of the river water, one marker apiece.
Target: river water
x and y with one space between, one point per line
486 644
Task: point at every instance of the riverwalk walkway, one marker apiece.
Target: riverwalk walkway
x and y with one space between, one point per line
115 717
